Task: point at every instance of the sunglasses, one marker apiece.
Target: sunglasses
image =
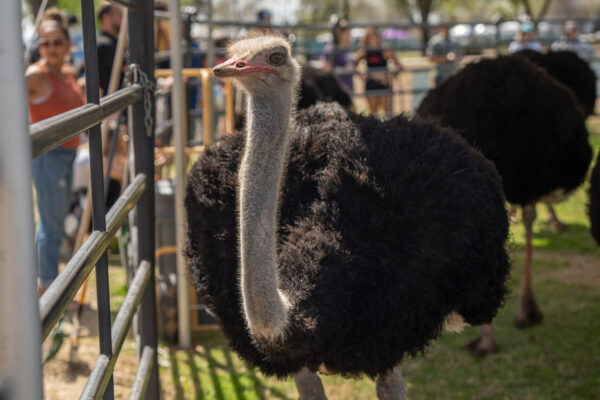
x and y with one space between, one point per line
55 43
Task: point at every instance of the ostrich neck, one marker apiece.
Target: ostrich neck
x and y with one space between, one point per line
261 174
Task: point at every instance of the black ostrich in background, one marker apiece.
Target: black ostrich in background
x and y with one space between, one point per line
320 86
594 206
316 85
531 128
570 70
336 241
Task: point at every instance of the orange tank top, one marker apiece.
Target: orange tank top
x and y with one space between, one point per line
65 96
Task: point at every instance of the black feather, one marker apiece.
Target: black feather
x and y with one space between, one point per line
385 228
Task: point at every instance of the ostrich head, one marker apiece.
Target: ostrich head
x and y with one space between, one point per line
261 64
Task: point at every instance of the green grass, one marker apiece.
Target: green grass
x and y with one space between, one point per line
559 359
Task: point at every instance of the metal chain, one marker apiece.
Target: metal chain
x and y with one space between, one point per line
135 74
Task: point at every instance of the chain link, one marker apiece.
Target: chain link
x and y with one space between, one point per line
135 74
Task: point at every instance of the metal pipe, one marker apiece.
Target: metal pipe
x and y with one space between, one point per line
100 376
210 61
177 107
207 107
141 52
98 380
20 355
229 109
52 132
128 308
140 383
92 84
57 297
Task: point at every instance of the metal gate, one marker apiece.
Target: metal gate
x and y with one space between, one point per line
24 320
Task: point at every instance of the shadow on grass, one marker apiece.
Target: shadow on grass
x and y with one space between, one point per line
576 237
175 374
217 373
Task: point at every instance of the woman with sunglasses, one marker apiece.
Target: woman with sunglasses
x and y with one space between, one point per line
52 90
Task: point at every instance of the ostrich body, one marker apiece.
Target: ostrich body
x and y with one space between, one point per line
318 85
594 206
331 240
530 127
573 72
570 70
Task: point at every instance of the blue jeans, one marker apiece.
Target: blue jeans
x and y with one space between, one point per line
52 177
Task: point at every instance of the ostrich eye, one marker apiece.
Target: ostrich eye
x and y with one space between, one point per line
276 58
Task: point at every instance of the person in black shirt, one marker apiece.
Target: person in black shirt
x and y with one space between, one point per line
378 76
110 17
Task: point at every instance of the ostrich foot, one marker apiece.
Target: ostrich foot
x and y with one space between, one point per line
391 386
309 385
484 343
555 225
528 313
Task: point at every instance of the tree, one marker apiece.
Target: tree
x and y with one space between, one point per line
421 9
542 12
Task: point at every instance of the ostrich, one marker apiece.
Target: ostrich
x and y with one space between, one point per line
570 70
531 128
594 206
331 241
318 85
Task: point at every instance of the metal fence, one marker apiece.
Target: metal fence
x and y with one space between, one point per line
21 331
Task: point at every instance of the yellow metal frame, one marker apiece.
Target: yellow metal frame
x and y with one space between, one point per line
206 74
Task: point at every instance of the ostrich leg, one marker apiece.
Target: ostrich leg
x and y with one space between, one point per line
553 220
484 343
528 312
391 386
309 385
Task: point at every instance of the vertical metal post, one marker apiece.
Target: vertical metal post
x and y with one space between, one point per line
229 109
207 107
20 337
97 181
177 109
141 50
210 49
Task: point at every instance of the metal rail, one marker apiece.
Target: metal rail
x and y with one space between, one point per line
52 132
102 372
141 36
20 358
143 374
56 299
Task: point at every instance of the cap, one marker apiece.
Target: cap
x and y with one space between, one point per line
526 27
570 25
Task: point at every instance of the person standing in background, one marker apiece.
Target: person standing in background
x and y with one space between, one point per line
52 90
109 16
571 42
377 76
525 39
444 53
336 56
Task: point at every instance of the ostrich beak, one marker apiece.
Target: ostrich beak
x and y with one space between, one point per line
239 67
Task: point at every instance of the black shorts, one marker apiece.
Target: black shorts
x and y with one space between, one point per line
374 84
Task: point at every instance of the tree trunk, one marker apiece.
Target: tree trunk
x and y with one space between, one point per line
425 8
543 10
36 4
